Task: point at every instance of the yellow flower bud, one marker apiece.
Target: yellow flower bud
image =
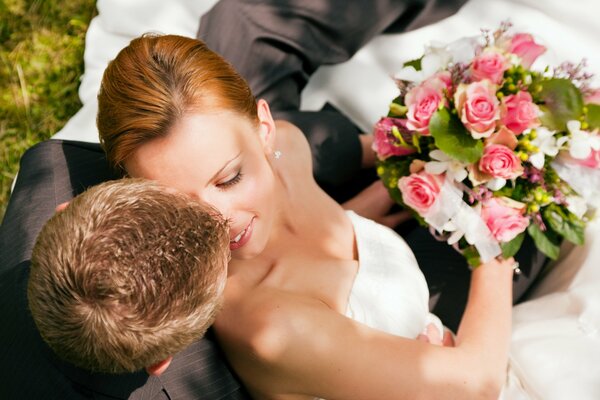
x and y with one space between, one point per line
584 125
533 134
523 156
534 207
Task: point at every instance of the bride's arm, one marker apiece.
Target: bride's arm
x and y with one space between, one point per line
291 345
486 324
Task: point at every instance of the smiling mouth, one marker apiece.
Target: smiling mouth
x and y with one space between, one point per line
242 238
238 237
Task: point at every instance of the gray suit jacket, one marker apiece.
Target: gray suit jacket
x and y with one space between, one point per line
53 172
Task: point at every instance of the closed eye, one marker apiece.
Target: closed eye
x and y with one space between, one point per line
227 184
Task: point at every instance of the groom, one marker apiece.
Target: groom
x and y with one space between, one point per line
54 171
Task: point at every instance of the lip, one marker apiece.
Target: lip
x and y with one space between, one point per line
245 237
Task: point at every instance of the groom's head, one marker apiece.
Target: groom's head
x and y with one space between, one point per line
128 274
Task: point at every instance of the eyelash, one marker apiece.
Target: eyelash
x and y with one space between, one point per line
231 182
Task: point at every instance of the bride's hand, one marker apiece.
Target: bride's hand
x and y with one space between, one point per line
432 335
375 203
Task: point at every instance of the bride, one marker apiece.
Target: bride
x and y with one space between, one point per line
319 301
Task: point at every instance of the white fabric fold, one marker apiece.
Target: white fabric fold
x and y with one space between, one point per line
449 207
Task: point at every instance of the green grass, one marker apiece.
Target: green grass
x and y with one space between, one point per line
41 62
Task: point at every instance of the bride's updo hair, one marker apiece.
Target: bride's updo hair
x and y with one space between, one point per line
156 80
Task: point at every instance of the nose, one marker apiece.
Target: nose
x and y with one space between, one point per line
223 203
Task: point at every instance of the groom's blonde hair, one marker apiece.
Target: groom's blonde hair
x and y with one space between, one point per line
127 275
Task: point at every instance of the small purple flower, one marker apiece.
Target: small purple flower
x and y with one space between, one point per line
559 197
534 175
537 219
478 193
391 137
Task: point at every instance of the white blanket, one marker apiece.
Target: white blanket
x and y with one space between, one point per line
555 351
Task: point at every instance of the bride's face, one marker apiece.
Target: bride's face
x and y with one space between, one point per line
223 159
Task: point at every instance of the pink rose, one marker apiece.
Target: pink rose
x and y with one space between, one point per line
385 144
523 45
504 217
489 65
419 190
422 101
500 161
519 112
593 97
478 107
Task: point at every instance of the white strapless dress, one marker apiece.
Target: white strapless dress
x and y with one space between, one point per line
389 291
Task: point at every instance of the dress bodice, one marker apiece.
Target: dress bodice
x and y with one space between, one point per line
389 292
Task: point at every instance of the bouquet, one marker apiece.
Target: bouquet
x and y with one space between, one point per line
484 149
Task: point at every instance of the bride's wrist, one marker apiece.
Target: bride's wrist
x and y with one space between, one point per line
499 267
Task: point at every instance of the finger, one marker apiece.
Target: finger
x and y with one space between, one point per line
393 220
435 336
379 188
448 340
423 338
507 263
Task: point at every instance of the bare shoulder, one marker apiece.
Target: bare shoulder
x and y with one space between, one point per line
282 344
263 323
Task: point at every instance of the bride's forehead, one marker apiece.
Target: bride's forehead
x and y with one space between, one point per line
225 122
207 134
200 137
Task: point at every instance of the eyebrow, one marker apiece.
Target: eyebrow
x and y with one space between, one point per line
225 166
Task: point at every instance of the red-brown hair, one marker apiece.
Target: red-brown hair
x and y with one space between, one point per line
154 81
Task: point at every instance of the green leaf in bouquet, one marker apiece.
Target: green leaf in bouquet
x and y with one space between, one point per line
472 256
390 171
564 223
593 115
562 102
509 249
546 241
453 138
416 63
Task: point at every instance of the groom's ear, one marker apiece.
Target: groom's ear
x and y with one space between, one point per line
159 367
61 206
266 124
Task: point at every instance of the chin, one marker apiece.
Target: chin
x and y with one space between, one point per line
245 254
257 243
